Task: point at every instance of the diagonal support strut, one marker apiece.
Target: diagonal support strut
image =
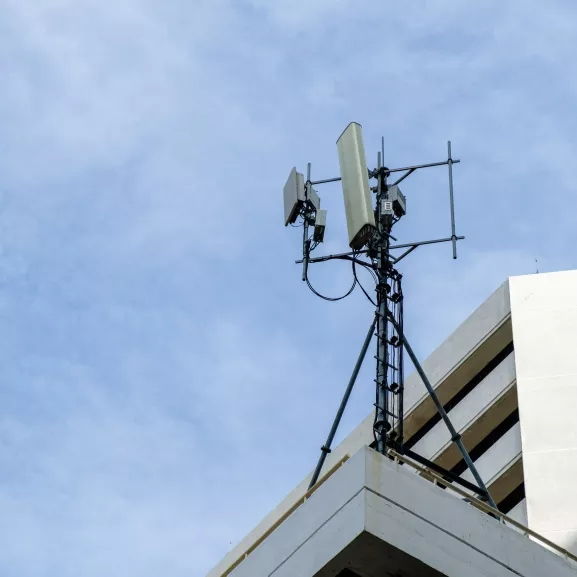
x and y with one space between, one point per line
326 448
455 437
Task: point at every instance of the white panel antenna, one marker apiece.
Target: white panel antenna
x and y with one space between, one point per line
355 182
315 198
294 196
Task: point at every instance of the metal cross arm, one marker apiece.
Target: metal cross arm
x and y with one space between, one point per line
421 242
417 166
342 255
409 169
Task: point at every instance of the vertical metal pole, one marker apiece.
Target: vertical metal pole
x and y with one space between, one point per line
451 200
326 448
306 241
382 350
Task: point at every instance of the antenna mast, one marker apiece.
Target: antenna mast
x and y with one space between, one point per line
370 236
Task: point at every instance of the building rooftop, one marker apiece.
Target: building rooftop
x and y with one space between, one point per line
507 377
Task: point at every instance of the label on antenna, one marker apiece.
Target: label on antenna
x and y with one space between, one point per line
386 207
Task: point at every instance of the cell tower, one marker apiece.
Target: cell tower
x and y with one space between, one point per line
374 247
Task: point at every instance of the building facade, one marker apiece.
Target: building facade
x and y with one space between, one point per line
507 377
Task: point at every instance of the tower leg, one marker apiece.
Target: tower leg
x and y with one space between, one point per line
326 448
455 437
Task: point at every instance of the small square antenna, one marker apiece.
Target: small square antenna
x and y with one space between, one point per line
398 199
294 196
355 182
320 225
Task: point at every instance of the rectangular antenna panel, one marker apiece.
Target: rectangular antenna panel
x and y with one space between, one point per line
398 199
294 196
355 181
314 198
320 225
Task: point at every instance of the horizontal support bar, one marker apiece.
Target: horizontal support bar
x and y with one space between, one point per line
331 256
416 166
390 170
415 244
444 472
411 245
328 180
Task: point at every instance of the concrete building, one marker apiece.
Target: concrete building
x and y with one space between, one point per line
508 379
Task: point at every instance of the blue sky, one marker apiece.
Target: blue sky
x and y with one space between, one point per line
165 376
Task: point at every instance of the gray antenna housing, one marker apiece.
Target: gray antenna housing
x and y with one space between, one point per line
314 198
355 182
320 225
294 196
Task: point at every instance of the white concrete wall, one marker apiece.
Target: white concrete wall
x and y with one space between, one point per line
544 318
519 512
459 345
498 457
459 358
470 409
477 545
317 530
371 496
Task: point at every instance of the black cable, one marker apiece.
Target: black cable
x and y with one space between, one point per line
359 283
332 299
373 274
369 267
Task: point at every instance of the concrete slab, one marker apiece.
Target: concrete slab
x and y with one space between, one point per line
483 399
498 458
375 518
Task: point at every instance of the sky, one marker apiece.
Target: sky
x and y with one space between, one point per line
165 376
